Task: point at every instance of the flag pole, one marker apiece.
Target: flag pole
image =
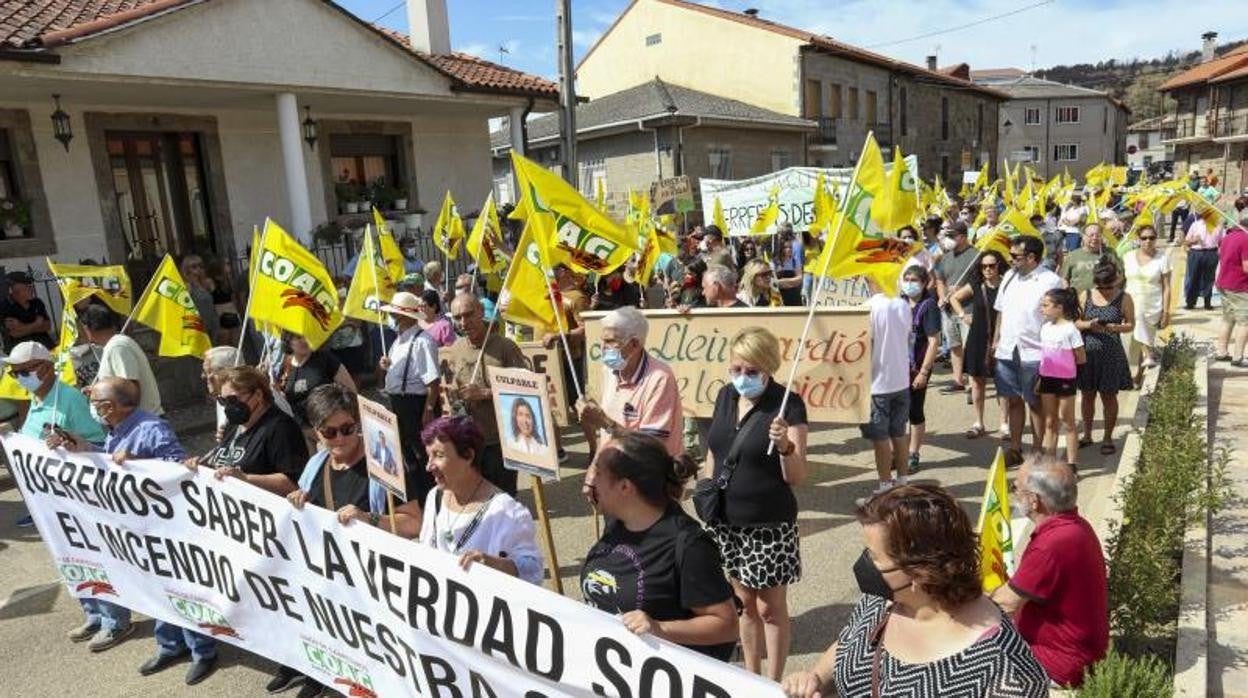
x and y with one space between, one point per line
372 266
823 272
251 293
563 335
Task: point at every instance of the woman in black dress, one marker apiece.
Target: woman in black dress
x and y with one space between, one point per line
977 359
1108 312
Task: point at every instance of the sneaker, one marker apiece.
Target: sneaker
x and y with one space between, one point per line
284 680
952 388
912 464
26 521
160 662
312 689
1150 363
1240 363
84 632
879 490
107 639
200 669
1004 432
901 480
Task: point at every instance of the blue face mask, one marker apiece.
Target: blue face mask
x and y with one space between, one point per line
613 359
749 386
29 381
911 288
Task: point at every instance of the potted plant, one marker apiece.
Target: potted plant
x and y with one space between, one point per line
328 233
400 198
415 218
14 218
347 194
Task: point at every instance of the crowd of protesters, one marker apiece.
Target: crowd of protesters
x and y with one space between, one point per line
1037 330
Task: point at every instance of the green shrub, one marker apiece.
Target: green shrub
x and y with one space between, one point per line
1118 675
1173 486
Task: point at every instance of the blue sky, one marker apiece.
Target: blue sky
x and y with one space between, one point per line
1061 31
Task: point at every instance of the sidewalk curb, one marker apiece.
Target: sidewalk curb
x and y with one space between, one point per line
1192 643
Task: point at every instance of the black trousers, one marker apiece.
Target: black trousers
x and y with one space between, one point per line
493 470
409 411
1202 266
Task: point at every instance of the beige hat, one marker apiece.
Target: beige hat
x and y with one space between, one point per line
26 352
405 304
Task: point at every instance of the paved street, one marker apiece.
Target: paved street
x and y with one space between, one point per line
37 612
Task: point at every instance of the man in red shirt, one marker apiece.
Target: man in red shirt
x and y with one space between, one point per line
1058 596
1232 281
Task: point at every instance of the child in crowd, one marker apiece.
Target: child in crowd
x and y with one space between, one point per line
1061 352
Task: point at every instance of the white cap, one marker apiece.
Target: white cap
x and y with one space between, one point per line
28 351
403 303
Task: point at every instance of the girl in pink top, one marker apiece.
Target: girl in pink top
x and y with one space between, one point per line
1061 353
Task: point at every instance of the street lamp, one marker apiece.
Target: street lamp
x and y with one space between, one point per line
309 129
60 124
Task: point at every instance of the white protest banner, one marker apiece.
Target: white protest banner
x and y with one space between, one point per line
380 429
742 199
360 610
833 378
851 291
522 408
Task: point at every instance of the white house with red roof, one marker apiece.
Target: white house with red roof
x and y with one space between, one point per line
134 128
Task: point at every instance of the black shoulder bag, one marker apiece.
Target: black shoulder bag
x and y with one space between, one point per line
708 493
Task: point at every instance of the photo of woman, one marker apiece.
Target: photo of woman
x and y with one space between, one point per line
526 432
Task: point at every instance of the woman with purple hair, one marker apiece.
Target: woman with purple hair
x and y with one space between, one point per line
466 515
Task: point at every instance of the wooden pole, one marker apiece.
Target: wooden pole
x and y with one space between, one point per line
394 528
548 539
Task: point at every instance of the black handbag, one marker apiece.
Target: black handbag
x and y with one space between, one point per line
708 492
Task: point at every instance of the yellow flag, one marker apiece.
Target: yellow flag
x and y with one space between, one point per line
897 204
765 222
526 290
600 195
485 243
110 284
717 217
371 286
573 231
996 538
388 247
293 290
824 204
995 239
649 255
448 231
1015 222
166 307
10 389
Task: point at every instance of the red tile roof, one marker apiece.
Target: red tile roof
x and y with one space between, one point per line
473 72
1209 71
32 25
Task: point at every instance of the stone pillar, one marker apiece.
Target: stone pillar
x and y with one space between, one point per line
291 136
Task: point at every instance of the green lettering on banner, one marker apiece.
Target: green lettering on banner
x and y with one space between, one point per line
833 377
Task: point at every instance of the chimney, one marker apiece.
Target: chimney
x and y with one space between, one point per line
1209 45
428 26
931 62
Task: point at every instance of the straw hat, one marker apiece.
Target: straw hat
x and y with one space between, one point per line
405 304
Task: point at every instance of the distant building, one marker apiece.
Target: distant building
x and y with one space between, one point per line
1146 143
1211 116
634 137
1056 127
947 121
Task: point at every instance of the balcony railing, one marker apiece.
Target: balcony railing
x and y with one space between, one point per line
883 135
1231 125
827 130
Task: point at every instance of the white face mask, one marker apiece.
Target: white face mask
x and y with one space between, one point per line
702 246
947 244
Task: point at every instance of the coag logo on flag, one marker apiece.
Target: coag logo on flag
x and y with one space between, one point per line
347 677
308 292
203 616
85 576
586 249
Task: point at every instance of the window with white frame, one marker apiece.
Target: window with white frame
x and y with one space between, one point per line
592 175
1067 115
780 159
720 161
1033 153
1031 116
1066 153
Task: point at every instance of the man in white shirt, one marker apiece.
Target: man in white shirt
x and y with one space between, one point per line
991 218
412 383
1072 220
890 388
1016 339
121 356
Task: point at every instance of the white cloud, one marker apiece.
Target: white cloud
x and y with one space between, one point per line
1063 32
583 38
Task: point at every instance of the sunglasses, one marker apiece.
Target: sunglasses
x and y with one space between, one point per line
330 433
988 266
1146 238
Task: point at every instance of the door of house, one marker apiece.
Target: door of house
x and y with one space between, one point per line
158 180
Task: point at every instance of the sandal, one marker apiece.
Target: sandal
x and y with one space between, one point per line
976 431
1084 443
1108 448
1223 358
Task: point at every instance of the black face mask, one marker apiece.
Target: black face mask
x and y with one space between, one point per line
871 579
236 411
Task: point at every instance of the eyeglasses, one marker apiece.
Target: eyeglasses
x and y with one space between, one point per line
331 433
735 371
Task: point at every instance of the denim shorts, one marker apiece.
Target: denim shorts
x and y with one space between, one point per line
889 414
1017 378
